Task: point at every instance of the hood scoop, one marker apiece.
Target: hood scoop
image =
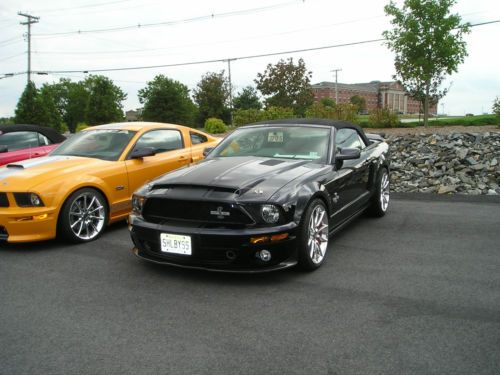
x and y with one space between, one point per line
15 166
272 162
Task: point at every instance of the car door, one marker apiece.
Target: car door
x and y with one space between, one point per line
353 175
171 154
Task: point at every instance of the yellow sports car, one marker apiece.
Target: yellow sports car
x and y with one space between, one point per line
88 181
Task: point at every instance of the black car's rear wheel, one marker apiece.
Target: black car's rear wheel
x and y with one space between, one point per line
83 216
380 199
313 240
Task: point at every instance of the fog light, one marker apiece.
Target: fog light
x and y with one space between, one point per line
265 255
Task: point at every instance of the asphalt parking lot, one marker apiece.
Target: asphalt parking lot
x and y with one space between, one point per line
416 292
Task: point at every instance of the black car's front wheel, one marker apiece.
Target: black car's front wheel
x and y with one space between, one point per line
83 216
313 240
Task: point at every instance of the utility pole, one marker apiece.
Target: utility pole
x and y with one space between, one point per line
29 20
230 90
336 85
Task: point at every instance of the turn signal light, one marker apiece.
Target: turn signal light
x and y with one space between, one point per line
263 239
257 240
279 237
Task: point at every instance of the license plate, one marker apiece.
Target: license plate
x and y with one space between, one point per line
175 243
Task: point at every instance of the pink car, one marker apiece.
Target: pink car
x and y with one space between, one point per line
20 142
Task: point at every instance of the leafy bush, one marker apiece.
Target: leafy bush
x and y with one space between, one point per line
64 128
215 126
247 116
344 112
383 118
276 113
80 126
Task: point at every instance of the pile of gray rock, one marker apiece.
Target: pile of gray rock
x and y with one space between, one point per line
459 163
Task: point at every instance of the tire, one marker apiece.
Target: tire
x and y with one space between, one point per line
83 216
313 238
380 198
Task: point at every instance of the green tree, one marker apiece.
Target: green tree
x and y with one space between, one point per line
72 102
28 109
212 97
247 99
167 100
49 114
429 45
496 107
105 100
286 85
359 102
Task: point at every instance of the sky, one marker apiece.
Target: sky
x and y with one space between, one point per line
82 35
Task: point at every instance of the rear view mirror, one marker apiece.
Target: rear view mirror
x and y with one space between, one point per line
207 151
140 153
348 154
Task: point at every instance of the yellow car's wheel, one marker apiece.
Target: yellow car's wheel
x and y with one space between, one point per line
84 216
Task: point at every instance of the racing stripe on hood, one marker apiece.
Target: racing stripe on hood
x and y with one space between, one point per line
18 167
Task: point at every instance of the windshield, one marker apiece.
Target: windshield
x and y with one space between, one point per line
287 142
100 144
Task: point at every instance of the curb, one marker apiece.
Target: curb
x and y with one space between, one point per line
446 197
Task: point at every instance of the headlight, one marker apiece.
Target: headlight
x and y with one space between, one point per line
270 213
137 204
28 200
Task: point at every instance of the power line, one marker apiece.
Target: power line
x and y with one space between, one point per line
169 48
223 59
174 22
82 6
215 60
13 56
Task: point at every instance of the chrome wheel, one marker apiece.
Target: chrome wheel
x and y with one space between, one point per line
384 192
318 234
87 215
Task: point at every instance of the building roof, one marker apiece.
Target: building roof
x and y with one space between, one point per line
373 86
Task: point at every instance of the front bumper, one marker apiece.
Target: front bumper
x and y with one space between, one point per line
27 224
222 250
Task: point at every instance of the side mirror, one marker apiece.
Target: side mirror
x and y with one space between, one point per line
142 153
207 151
348 154
3 148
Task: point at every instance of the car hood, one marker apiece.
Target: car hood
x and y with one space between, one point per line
248 178
27 174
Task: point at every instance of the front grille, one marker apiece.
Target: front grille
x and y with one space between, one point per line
4 202
163 209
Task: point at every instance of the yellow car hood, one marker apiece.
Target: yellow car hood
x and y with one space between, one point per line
27 174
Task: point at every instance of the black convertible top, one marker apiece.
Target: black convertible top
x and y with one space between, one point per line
338 124
50 133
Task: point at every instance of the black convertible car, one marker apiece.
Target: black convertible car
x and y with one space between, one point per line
266 198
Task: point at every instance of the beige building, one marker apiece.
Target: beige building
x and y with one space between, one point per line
133 115
376 94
